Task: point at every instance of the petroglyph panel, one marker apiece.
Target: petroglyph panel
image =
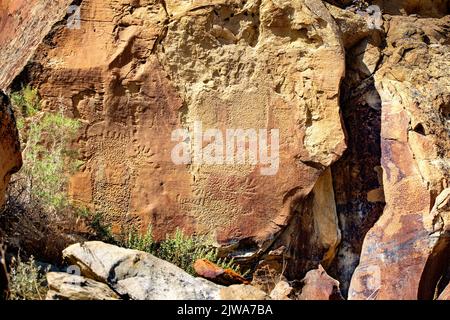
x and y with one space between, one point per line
135 72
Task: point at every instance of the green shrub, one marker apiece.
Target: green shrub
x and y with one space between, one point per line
179 249
39 219
101 229
47 165
142 242
183 250
47 156
28 101
27 281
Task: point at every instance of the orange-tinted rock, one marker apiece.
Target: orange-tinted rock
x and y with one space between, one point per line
426 8
407 251
318 285
445 295
23 25
312 236
135 72
10 155
212 272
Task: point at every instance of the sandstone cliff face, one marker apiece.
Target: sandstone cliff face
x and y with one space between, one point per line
425 8
135 72
407 252
368 189
10 156
24 24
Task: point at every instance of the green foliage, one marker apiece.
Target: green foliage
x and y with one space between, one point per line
102 229
183 250
48 159
27 281
141 242
225 263
82 212
27 100
179 249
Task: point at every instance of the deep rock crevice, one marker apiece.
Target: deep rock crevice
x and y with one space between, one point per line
357 176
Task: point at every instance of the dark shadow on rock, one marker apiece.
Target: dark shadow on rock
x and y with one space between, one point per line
357 176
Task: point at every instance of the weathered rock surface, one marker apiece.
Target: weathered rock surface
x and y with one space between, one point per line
282 291
136 71
445 295
10 155
357 175
353 26
426 8
407 251
141 276
138 275
64 286
242 292
23 25
212 272
318 285
266 278
312 236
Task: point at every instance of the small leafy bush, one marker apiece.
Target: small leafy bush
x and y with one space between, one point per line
27 281
26 103
179 249
38 211
47 157
141 242
183 250
101 229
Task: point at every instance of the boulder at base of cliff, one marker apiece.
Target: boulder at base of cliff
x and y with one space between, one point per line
282 291
318 285
136 274
64 286
141 276
212 272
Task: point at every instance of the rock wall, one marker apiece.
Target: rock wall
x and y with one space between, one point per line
23 25
10 156
424 8
135 72
406 253
427 8
367 190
